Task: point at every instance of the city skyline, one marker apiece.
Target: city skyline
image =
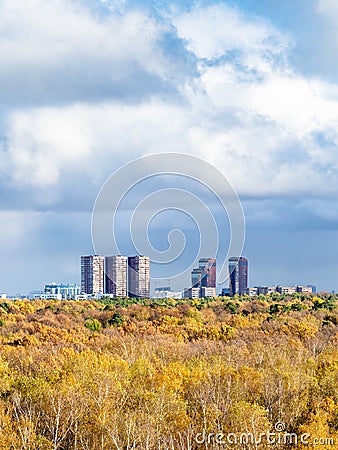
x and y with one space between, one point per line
121 276
242 84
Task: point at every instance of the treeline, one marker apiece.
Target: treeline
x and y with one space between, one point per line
169 374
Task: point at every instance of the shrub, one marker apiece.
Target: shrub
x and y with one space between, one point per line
116 320
93 324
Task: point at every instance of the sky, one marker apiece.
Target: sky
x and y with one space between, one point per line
87 86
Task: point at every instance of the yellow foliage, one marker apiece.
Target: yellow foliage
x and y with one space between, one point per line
163 376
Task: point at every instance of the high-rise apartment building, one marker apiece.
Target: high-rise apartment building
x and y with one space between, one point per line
139 276
116 275
238 275
92 274
205 274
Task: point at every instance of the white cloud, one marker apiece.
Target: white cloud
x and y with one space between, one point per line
47 146
260 157
42 143
327 6
213 31
57 51
255 118
293 102
255 76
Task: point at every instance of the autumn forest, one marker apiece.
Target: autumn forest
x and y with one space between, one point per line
169 374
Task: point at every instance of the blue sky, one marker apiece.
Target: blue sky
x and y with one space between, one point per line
88 85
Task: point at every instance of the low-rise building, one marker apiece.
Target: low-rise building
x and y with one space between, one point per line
44 296
225 292
266 290
260 290
286 289
166 292
199 292
191 293
66 291
207 292
251 291
305 289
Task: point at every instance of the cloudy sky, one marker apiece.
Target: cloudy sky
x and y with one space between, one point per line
88 85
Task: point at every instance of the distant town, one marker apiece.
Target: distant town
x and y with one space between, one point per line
129 276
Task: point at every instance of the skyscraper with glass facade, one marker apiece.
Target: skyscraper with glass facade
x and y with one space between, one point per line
238 275
205 274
